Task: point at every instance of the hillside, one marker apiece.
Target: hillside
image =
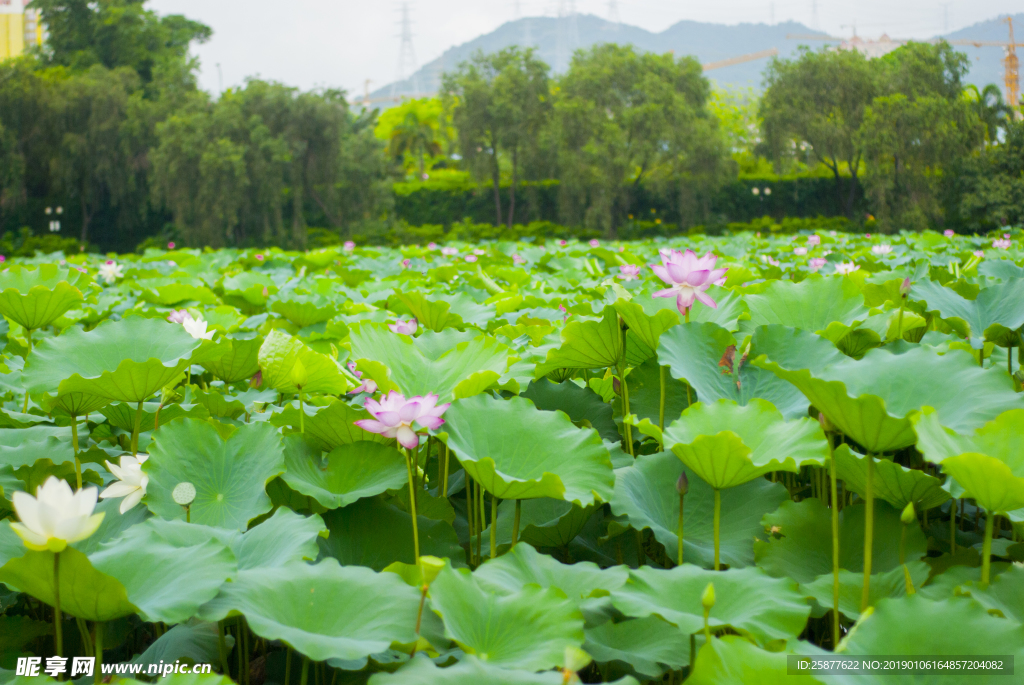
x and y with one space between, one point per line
556 38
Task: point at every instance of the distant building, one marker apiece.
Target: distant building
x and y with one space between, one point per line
871 48
20 28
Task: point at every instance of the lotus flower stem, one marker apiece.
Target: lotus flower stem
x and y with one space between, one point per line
718 520
515 522
494 526
679 531
135 428
223 653
28 338
869 526
302 415
97 651
74 445
625 402
58 628
419 616
661 407
834 492
481 513
412 507
952 526
305 670
986 548
470 515
444 478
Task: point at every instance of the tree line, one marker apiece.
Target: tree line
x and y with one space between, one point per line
107 122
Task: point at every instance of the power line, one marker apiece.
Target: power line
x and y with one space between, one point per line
407 66
814 15
613 12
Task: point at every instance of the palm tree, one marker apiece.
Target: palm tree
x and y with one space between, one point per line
991 109
416 136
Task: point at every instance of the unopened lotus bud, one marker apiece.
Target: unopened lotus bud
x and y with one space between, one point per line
909 515
256 380
707 599
683 484
183 494
826 425
905 287
299 374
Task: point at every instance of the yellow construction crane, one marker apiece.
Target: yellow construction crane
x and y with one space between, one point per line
740 59
1011 65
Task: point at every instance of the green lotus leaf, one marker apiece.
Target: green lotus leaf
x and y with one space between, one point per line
804 550
696 353
251 287
995 314
523 565
397 362
330 426
988 466
348 473
305 310
646 494
122 414
113 525
167 582
34 298
650 645
747 600
324 611
914 625
18 631
647 328
872 399
468 671
727 444
1003 596
373 533
811 305
280 356
645 394
586 345
239 362
127 360
730 306
84 591
543 522
892 583
194 642
168 292
487 436
583 406
528 630
432 315
896 484
731 660
25 446
230 474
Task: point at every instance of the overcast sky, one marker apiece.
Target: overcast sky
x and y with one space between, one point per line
340 43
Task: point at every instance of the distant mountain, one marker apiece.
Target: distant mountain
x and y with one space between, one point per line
555 39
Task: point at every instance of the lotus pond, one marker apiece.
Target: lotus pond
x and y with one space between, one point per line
516 463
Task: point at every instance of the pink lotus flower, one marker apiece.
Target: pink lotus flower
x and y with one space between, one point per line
478 251
349 246
846 268
179 316
800 251
814 240
449 251
769 260
565 313
867 235
431 246
404 327
817 262
979 253
629 272
170 246
259 257
562 243
471 258
405 263
689 276
594 242
516 259
949 233
1003 244
397 417
1006 235
368 384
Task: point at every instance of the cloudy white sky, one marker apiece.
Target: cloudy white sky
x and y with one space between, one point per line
341 43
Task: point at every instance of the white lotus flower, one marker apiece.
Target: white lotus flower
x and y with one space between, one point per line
197 328
881 249
110 271
131 481
846 268
56 516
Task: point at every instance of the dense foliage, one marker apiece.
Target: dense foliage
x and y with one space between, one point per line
483 462
107 123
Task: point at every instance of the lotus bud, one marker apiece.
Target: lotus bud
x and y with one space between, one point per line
905 288
909 515
576 659
826 425
299 375
430 567
707 598
683 484
183 494
256 380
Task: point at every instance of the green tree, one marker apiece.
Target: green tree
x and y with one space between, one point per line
499 105
994 193
623 118
413 130
819 100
